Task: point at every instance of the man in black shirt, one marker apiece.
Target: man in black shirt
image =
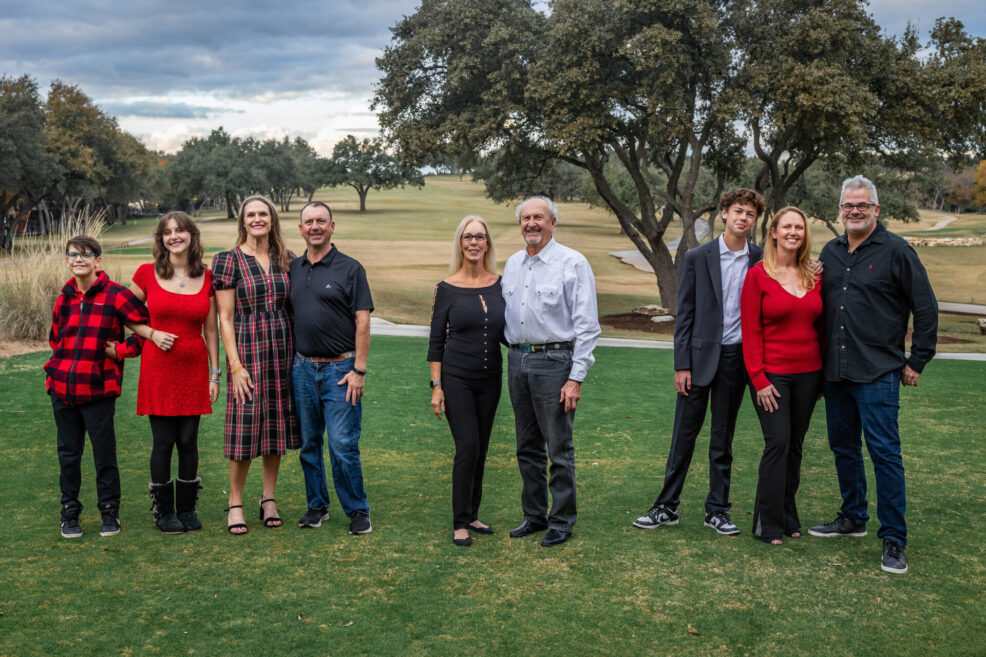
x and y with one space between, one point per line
872 283
331 302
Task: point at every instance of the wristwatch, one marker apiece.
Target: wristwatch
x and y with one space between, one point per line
435 384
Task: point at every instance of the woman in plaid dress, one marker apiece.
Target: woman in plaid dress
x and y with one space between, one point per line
251 283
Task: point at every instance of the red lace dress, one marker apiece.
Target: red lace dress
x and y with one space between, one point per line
174 382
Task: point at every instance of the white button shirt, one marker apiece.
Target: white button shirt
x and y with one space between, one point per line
732 267
551 297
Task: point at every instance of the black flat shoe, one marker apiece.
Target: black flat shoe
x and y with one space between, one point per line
555 537
480 530
462 542
527 528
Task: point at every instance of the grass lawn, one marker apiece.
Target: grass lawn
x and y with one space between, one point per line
405 589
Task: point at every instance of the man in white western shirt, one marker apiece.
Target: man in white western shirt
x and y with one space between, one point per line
552 327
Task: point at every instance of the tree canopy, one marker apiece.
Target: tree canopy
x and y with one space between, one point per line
365 165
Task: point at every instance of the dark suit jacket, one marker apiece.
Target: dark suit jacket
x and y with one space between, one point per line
698 326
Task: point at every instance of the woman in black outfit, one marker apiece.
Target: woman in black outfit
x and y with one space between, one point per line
466 366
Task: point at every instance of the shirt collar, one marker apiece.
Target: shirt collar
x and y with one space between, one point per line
878 236
723 249
325 260
546 254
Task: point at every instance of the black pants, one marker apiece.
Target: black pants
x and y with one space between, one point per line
775 512
168 432
470 406
726 393
72 424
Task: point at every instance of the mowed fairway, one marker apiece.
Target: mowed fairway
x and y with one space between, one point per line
406 590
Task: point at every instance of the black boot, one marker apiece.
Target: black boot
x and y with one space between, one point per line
187 497
163 506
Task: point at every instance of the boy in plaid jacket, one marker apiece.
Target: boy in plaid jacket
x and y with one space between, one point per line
84 376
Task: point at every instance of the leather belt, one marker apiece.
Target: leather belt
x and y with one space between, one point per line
547 346
329 359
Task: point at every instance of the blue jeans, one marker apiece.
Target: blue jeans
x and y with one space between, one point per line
870 409
535 381
322 407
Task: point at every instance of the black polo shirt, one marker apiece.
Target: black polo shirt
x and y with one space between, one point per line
868 296
325 297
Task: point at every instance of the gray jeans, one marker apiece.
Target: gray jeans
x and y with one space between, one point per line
535 381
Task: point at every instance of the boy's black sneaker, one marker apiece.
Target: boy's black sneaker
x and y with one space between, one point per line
893 557
71 528
841 526
359 523
111 524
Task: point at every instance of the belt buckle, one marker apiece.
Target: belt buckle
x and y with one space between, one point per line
526 348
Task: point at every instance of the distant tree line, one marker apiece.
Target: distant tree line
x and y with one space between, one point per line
661 105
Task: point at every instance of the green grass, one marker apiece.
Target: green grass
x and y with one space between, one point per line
406 590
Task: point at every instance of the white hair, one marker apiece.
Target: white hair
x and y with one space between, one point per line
859 182
552 208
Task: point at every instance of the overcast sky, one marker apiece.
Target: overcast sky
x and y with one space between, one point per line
170 70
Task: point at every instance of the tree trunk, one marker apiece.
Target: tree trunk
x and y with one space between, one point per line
362 199
230 204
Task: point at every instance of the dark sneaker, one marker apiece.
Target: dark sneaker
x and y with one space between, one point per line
314 518
359 523
111 524
657 516
720 522
893 557
71 528
841 526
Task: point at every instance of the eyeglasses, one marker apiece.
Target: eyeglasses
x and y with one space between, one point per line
469 238
75 255
862 207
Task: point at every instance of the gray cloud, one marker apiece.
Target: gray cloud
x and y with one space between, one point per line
162 109
113 48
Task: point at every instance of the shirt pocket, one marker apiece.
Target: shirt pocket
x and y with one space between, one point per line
549 296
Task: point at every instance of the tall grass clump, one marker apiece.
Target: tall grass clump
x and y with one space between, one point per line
31 280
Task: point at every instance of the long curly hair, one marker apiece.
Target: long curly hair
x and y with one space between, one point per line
162 257
808 267
276 249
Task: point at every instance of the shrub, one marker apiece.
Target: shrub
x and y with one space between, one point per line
30 281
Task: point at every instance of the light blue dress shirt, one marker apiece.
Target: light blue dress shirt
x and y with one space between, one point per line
732 266
551 297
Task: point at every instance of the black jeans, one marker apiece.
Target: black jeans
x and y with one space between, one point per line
535 382
168 432
470 406
775 512
726 392
72 423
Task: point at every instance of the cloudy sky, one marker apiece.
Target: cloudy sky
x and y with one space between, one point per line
173 69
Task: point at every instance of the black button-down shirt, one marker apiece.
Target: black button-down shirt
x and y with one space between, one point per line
868 297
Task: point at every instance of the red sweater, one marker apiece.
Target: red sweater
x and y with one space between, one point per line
779 329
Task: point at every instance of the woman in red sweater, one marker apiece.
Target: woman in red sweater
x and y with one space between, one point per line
781 307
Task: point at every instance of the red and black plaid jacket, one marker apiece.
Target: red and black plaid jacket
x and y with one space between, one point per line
79 369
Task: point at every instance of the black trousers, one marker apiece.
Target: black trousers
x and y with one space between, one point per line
775 512
72 424
168 432
726 394
470 407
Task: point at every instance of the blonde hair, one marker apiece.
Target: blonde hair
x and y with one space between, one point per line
808 267
489 259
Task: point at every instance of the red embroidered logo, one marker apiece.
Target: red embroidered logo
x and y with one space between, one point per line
871 266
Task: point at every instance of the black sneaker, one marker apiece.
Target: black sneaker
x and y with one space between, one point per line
71 528
841 526
720 522
893 557
657 516
111 524
314 518
359 523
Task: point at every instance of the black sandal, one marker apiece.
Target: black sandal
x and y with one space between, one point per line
272 521
235 525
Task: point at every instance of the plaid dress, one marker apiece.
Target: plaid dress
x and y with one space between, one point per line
268 424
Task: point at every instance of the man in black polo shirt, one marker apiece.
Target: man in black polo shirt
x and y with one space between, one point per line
332 305
872 283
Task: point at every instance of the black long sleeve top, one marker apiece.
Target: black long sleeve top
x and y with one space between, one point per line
868 297
467 330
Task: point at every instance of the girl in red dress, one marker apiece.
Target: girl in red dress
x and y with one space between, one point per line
179 378
780 309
